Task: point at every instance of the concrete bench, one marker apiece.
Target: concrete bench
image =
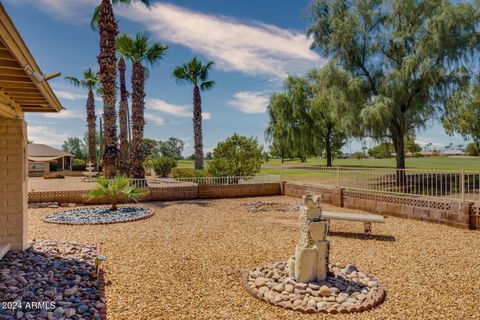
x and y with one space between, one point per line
367 219
4 247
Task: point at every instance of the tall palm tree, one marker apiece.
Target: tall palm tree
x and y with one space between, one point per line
196 73
104 19
124 159
90 82
139 51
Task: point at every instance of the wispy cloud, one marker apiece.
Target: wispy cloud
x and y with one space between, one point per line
151 118
68 95
249 101
176 110
46 135
253 48
64 114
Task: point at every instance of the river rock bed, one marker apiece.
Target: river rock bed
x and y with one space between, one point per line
98 215
345 290
51 280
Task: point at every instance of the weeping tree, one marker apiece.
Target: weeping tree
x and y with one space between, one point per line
140 52
462 112
196 73
290 126
90 82
104 20
405 54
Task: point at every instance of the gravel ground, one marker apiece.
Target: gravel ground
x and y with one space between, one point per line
185 261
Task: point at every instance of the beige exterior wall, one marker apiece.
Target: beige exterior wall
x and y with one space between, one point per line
13 183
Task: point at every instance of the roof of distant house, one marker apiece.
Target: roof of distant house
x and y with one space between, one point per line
43 150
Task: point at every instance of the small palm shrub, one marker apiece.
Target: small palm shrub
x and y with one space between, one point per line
162 165
114 189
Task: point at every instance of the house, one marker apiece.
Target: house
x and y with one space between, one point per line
23 88
43 159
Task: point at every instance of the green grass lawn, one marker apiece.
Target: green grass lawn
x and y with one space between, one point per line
468 163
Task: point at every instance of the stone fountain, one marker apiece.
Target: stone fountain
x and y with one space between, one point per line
307 282
310 263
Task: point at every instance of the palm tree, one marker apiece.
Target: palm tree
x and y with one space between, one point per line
124 159
104 18
90 82
120 186
139 51
196 73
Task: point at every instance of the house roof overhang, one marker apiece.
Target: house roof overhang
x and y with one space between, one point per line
23 87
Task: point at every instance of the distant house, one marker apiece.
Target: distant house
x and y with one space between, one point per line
43 158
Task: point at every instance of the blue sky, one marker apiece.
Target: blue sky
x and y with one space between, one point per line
254 44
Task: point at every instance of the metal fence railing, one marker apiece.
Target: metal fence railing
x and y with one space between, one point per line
463 185
166 182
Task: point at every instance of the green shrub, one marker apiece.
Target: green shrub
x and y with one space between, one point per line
162 165
189 173
79 165
359 155
236 156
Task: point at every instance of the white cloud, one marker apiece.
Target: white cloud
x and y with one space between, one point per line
175 110
68 95
249 101
154 119
255 48
170 108
64 114
45 135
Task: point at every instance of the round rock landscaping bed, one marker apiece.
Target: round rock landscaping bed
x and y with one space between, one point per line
345 290
99 215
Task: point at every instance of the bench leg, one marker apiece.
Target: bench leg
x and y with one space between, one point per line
368 228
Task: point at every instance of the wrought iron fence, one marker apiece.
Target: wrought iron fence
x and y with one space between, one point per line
463 185
166 182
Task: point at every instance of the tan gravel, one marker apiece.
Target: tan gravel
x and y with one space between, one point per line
185 262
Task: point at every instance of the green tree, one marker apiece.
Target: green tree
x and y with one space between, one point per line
171 148
382 151
405 55
410 144
150 148
139 51
104 19
290 126
236 156
462 113
330 93
76 147
196 73
472 150
121 186
90 82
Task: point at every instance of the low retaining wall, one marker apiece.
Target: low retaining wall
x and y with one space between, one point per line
453 213
190 192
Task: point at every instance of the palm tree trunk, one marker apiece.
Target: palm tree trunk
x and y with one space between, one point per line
91 123
197 128
107 61
138 121
123 119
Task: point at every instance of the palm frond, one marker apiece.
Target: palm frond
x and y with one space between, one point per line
207 85
125 46
74 81
94 21
155 53
181 75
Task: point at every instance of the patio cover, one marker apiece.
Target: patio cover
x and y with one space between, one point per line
43 159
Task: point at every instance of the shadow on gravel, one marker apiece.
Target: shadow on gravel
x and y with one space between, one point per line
362 236
200 203
51 280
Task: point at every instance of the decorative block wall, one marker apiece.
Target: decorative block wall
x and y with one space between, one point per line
453 213
13 183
